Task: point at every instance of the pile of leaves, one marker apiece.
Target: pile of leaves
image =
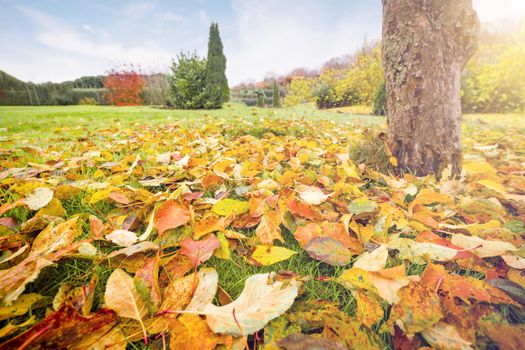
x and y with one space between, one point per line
118 238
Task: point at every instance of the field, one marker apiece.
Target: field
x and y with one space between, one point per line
119 164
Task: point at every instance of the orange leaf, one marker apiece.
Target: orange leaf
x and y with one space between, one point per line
171 215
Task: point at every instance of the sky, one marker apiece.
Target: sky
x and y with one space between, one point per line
58 40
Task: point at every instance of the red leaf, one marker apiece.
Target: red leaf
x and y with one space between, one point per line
199 251
171 215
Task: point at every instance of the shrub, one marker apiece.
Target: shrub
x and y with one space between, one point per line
494 80
371 151
187 82
300 91
124 86
87 101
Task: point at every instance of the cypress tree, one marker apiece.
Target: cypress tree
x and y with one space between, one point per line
217 91
276 96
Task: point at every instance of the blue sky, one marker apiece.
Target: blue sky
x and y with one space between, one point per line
56 40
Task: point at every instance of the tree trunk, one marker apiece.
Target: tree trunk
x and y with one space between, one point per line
426 43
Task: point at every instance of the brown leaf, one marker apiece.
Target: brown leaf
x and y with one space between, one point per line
60 329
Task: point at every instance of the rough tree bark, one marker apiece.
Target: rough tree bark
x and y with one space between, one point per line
426 43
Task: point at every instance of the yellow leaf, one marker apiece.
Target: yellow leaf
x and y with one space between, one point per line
269 255
479 167
224 250
20 307
228 206
493 185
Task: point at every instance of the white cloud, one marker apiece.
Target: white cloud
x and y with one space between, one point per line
278 36
79 55
204 17
498 10
139 8
172 17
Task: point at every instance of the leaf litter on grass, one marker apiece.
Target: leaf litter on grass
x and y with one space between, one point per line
153 209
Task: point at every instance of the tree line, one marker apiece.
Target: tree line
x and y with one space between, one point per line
194 83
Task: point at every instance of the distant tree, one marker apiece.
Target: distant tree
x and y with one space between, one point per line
187 82
260 98
217 90
299 91
276 95
155 89
124 86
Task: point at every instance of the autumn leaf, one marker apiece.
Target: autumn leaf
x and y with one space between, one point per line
334 230
269 255
418 308
60 329
190 332
199 251
444 337
311 195
419 252
123 238
228 207
147 283
383 283
39 198
372 261
260 301
21 306
171 215
268 230
122 297
328 250
480 247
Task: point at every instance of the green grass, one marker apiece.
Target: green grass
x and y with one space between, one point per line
40 119
58 126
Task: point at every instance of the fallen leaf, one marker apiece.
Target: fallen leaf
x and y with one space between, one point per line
328 250
311 195
420 252
373 261
303 341
443 336
480 247
60 329
199 251
383 283
268 229
123 238
39 198
228 207
171 215
122 297
418 308
260 301
268 255
189 332
21 306
147 283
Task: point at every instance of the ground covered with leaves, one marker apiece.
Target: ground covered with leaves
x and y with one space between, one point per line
256 230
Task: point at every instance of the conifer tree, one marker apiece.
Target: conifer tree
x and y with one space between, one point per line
217 91
276 96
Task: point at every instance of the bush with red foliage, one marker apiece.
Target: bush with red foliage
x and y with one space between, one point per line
124 86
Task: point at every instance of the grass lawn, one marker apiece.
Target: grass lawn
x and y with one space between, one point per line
87 137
